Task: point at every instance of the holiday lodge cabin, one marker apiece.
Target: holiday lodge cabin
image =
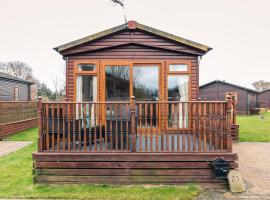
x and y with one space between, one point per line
131 114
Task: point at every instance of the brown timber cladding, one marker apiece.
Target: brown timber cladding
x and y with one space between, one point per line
264 99
135 46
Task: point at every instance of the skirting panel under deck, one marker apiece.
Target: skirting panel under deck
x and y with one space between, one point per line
129 168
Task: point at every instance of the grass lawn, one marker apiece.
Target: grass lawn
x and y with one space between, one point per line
254 129
16 181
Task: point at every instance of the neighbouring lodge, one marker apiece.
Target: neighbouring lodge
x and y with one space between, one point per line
132 114
14 89
248 101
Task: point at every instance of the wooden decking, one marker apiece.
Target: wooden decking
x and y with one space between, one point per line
132 143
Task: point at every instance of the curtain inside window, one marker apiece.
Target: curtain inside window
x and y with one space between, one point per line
183 88
86 90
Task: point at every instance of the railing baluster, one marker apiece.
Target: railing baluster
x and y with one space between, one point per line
100 126
127 131
151 126
174 128
105 131
121 126
58 127
84 127
210 127
95 125
140 121
74 125
111 130
204 127
116 125
146 127
91 121
79 126
47 132
157 126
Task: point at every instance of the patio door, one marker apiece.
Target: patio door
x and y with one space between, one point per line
142 80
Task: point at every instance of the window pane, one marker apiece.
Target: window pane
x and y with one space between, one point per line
178 87
178 90
178 67
145 82
117 83
86 67
86 88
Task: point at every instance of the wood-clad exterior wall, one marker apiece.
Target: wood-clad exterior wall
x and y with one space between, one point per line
7 90
135 47
246 99
264 99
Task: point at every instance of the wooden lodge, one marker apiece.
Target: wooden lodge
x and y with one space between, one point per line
247 99
132 114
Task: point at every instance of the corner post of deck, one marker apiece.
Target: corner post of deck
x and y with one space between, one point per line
234 109
133 123
229 123
40 138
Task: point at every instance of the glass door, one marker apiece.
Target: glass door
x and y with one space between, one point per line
145 88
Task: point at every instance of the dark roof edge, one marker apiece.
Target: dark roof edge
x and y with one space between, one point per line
231 84
267 90
10 77
133 25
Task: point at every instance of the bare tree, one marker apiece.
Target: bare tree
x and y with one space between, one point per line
18 69
261 85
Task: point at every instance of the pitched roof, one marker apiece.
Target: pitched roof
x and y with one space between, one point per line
7 76
230 84
133 25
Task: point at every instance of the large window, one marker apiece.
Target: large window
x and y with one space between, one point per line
86 87
145 82
178 87
117 83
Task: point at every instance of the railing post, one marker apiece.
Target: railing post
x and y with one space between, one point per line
133 124
40 137
229 123
233 109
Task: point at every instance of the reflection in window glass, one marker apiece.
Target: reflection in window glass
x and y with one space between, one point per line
117 83
178 67
178 87
86 67
145 82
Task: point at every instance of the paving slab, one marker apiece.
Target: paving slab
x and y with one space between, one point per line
7 147
254 166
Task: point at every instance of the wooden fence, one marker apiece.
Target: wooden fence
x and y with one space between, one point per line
135 126
17 116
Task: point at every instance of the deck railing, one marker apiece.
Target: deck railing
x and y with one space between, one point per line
135 126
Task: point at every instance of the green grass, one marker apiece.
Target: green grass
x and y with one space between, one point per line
27 135
254 129
16 181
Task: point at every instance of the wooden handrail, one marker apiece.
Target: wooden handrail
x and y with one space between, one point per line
192 126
